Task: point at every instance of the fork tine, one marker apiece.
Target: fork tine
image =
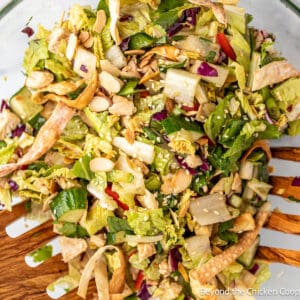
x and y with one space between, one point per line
282 186
292 154
277 255
284 223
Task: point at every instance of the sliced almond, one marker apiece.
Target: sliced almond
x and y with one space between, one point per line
176 183
122 106
99 103
135 52
84 36
111 83
107 66
72 45
100 21
101 164
39 79
89 42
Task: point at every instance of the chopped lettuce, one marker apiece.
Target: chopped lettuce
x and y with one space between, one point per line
7 152
162 162
36 52
262 275
294 128
5 198
81 168
81 18
75 130
42 253
146 222
236 17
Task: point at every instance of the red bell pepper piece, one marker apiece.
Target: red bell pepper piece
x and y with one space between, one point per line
191 108
144 94
116 197
139 280
225 45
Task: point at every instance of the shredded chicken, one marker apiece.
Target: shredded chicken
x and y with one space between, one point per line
8 122
71 247
46 138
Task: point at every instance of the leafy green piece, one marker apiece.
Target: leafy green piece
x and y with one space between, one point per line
129 88
6 153
146 222
176 123
168 18
37 51
166 5
75 94
216 120
37 122
132 297
104 6
120 176
73 230
61 70
153 182
81 18
116 224
187 290
75 130
164 68
3 144
210 56
199 182
42 253
226 235
140 40
162 160
37 166
152 135
114 238
294 128
107 41
220 162
236 17
81 168
231 131
263 274
272 108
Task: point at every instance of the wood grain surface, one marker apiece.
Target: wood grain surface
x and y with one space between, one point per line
18 281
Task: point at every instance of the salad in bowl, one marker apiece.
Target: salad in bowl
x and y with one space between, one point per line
141 129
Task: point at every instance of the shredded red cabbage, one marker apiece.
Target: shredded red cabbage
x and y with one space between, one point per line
296 181
222 57
166 138
3 106
206 70
28 30
185 166
205 165
143 293
18 131
126 18
188 17
13 185
174 258
125 44
160 116
83 68
254 269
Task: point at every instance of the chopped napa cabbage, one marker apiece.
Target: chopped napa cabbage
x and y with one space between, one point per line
81 168
232 272
60 67
7 152
152 272
294 128
241 48
262 189
120 176
126 196
42 33
81 18
96 218
137 263
98 48
107 41
203 18
97 188
182 142
287 93
68 150
75 130
236 17
95 145
150 105
154 30
37 51
162 161
102 123
146 222
240 74
263 274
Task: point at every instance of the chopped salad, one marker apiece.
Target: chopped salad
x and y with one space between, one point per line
141 128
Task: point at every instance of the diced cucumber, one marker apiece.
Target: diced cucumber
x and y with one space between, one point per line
23 105
114 238
69 205
235 201
248 193
247 258
119 176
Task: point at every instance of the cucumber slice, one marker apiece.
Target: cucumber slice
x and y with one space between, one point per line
69 205
247 258
235 201
23 105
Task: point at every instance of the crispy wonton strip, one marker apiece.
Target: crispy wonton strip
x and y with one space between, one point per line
101 279
83 99
218 263
46 138
262 144
90 266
